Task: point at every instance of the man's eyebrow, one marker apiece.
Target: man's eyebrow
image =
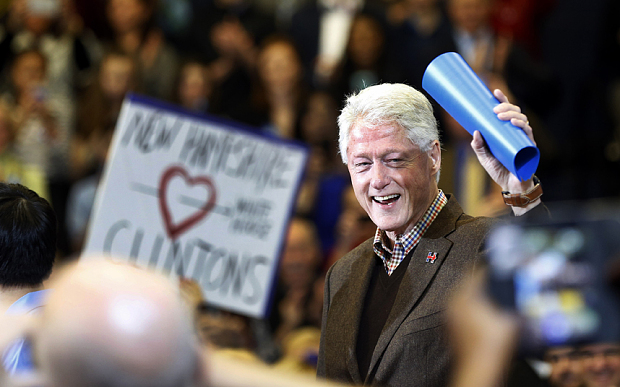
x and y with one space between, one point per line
388 151
393 150
361 154
399 151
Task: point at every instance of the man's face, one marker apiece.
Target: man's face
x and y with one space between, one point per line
115 76
393 180
565 367
28 71
300 257
601 365
470 15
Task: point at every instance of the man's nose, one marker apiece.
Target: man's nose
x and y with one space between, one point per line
380 176
599 361
563 363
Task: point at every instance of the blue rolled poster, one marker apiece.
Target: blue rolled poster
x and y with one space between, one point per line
457 88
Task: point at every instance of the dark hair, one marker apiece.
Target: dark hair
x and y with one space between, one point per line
27 237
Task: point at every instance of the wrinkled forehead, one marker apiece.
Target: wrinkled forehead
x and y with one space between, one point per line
368 131
366 124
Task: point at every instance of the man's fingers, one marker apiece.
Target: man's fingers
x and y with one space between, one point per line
506 107
508 112
512 115
477 143
528 130
501 97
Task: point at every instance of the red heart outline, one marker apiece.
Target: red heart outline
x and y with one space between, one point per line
174 230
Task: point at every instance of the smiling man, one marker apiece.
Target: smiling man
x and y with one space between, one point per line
566 367
383 313
600 363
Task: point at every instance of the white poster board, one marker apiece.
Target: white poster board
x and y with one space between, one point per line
197 197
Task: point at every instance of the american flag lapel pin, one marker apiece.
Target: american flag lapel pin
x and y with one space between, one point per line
431 257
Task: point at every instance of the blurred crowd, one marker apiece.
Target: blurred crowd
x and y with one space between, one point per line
283 69
589 365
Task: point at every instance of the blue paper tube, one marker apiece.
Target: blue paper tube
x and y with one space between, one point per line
455 86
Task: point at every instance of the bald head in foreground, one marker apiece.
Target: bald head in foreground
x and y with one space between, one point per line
113 325
107 324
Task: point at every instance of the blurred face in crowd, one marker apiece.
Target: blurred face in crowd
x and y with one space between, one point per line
116 76
127 15
194 86
565 367
318 123
301 255
28 71
423 4
365 41
317 161
394 181
350 203
279 67
470 15
601 364
40 15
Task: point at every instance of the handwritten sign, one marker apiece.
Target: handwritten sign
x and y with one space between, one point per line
197 197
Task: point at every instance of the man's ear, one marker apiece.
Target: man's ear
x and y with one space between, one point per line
435 156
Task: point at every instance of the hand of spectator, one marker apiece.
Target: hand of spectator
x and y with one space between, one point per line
34 103
482 335
506 112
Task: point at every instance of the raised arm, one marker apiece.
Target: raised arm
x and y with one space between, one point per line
505 111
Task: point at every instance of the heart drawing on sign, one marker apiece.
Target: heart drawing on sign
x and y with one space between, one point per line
174 229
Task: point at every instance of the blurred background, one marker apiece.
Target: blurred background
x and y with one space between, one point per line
284 67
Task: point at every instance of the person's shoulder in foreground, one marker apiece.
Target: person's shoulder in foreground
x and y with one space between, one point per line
27 252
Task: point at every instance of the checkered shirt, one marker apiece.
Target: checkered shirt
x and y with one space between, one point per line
405 243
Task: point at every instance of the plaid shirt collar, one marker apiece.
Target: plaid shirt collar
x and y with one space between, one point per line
392 259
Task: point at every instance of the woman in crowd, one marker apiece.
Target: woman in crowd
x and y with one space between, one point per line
135 34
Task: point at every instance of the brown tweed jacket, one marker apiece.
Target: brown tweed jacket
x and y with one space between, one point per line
413 347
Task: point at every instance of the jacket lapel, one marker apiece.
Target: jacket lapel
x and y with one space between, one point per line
350 298
418 276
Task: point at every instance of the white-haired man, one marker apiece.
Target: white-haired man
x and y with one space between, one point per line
383 314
